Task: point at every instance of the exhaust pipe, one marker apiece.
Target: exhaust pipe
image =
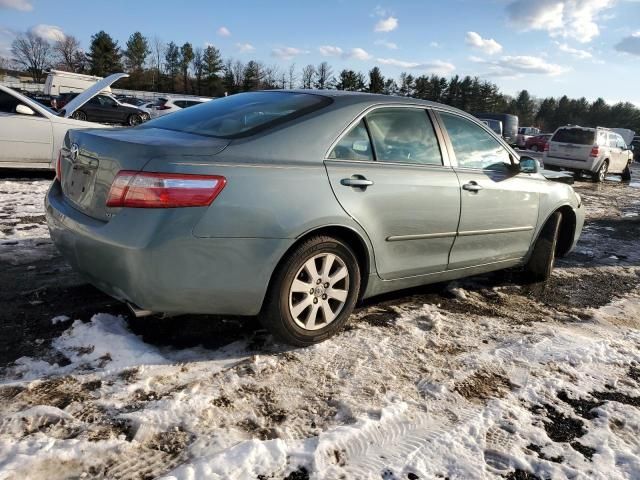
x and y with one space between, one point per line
139 312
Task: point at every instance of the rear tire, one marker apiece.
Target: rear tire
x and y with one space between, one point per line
601 174
540 265
307 304
626 173
79 115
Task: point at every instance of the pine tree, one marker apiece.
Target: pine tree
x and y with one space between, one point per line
212 66
136 52
172 63
186 57
104 55
376 81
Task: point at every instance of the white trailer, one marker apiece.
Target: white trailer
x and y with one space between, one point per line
65 82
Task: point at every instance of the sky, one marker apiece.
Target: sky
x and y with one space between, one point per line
587 48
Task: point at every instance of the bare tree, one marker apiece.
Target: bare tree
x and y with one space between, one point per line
237 69
68 51
308 75
292 76
198 67
270 76
323 76
158 49
33 53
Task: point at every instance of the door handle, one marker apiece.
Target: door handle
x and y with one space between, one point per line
472 187
357 181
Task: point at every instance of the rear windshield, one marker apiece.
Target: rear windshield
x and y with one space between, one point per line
240 115
578 136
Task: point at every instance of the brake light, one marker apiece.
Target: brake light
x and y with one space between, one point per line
594 151
546 147
59 167
163 190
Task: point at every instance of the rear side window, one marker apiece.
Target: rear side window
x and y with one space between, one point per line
355 145
242 114
404 135
473 146
577 136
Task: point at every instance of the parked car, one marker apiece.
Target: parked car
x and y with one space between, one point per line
525 133
635 144
293 206
594 151
537 143
509 124
104 108
165 105
31 134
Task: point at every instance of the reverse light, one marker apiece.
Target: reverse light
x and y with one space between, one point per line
163 190
594 151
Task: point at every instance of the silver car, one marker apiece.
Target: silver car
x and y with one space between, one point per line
294 205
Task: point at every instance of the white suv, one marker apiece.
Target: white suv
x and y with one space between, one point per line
165 105
596 151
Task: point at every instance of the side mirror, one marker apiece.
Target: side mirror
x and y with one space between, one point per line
24 110
361 146
529 165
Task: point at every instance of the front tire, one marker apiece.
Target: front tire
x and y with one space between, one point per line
601 174
79 115
543 257
313 292
134 119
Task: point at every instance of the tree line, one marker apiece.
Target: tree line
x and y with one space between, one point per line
154 65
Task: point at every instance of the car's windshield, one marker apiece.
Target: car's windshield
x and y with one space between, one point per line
240 115
579 136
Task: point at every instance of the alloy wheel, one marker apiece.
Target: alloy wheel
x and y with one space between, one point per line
319 291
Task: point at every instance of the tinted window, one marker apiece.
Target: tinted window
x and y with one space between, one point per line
355 145
473 146
241 114
8 103
404 135
180 103
578 136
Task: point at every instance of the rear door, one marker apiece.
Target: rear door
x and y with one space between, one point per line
389 173
499 205
618 160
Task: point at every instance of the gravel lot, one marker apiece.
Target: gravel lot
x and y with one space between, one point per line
480 378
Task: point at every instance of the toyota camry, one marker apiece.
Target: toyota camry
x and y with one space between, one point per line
295 205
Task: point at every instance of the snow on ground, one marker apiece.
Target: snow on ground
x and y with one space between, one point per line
481 378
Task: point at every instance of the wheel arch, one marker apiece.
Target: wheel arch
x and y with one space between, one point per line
355 240
566 232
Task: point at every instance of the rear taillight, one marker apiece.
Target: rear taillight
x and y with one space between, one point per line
546 147
594 151
59 167
163 190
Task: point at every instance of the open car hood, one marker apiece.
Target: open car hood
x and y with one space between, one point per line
89 93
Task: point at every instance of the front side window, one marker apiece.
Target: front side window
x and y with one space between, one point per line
404 135
473 146
8 103
355 145
242 114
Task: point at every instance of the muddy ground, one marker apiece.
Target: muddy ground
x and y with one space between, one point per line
37 285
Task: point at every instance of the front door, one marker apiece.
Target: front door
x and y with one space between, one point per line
23 138
499 205
388 174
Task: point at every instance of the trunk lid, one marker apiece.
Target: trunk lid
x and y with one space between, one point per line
92 158
90 92
572 143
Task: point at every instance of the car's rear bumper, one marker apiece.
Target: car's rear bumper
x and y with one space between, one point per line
587 164
151 259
